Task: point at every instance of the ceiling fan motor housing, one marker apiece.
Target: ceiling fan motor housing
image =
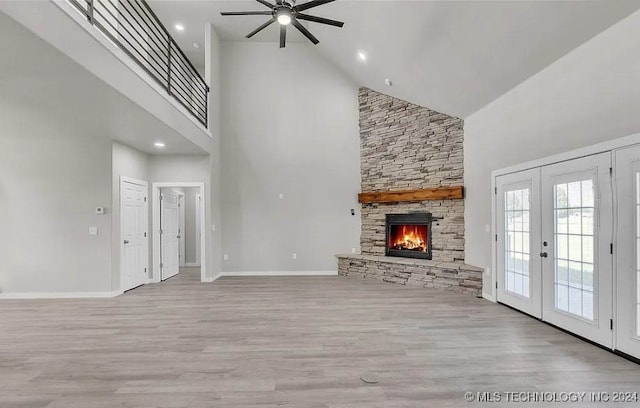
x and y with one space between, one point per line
286 12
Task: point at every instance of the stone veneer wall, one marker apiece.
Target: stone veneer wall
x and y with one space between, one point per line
402 147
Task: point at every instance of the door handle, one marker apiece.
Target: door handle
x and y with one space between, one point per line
178 237
126 241
544 254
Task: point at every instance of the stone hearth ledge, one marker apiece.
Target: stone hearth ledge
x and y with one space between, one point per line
456 276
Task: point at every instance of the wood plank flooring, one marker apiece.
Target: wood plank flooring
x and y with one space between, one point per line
287 342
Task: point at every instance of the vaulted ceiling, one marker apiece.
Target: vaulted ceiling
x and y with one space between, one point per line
452 56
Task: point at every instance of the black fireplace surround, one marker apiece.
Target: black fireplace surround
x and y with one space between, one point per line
409 235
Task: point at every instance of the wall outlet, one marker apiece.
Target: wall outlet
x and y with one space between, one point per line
93 230
353 250
281 196
99 210
294 256
225 257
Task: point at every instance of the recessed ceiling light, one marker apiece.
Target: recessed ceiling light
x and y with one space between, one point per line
159 145
362 56
196 45
179 27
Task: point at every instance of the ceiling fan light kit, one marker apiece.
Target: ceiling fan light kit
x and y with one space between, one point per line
286 12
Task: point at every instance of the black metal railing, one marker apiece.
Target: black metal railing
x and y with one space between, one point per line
133 27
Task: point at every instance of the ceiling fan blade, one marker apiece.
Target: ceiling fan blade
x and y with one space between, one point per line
266 3
283 36
304 31
247 13
320 20
311 4
262 27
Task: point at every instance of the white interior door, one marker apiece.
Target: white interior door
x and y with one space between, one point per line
577 218
133 230
518 239
627 250
181 229
169 240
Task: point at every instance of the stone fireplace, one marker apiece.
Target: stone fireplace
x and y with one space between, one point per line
411 163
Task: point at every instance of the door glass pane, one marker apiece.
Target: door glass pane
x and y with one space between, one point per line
574 247
516 243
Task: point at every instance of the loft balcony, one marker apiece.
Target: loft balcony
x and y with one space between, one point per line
125 46
134 28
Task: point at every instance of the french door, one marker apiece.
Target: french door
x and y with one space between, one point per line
518 206
577 220
627 250
554 229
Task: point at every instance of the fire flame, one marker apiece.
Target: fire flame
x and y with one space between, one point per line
409 237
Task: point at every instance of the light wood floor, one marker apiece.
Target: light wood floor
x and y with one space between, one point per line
286 342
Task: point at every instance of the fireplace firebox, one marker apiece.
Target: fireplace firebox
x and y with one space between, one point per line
409 235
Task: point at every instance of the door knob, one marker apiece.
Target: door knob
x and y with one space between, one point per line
126 241
178 237
544 254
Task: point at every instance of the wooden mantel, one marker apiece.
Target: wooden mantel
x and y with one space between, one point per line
438 193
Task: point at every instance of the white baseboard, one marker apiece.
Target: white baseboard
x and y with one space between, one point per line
60 295
489 297
278 273
192 264
210 279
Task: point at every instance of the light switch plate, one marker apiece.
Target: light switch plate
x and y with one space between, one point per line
93 230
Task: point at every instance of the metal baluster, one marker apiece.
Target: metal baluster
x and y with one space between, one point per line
90 11
169 64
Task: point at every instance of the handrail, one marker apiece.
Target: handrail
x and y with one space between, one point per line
136 29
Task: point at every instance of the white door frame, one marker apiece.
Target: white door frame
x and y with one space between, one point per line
155 215
198 232
120 237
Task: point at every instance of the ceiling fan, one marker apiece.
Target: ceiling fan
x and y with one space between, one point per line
286 12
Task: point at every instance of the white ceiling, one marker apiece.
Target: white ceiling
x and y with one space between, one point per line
452 56
61 93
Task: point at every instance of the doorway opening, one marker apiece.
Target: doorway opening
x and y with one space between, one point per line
178 237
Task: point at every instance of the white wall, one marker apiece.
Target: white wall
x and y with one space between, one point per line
213 76
290 126
590 95
126 162
51 179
